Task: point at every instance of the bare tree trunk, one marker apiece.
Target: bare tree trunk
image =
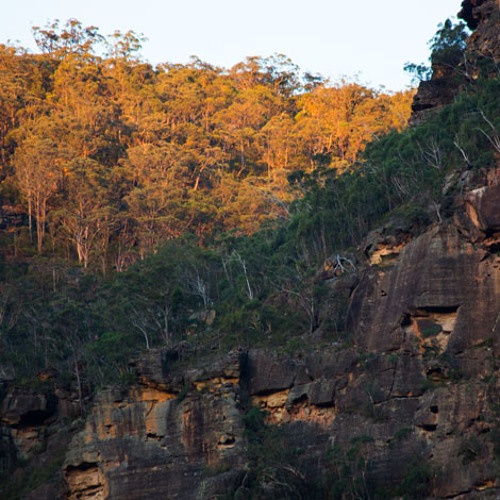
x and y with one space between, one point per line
244 266
30 216
79 382
39 234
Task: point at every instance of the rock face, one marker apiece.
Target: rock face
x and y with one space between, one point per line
482 208
404 402
413 388
482 16
163 437
35 430
439 279
433 95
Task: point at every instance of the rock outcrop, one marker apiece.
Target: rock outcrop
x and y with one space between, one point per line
482 16
413 387
433 95
174 435
401 400
405 399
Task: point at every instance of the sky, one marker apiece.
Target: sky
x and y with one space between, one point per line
364 40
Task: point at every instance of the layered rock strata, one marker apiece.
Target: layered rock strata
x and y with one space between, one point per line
416 380
481 16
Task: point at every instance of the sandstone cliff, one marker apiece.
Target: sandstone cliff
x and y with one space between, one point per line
412 387
481 16
416 383
404 402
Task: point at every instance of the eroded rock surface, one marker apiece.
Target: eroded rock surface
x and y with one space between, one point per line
407 387
482 16
161 438
398 386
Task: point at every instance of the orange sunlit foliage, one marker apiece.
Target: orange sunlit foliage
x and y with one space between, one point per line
117 156
335 123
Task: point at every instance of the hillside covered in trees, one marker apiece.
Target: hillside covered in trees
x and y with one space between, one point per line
110 157
223 189
248 282
105 158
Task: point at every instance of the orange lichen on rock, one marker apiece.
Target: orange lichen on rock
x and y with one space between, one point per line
386 254
86 483
150 394
274 400
118 417
215 383
280 412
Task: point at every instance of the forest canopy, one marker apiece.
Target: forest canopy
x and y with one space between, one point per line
109 156
193 207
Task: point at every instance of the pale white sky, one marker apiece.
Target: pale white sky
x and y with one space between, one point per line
335 38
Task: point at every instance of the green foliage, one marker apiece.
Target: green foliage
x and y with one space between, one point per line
470 450
110 157
448 44
215 470
431 331
32 475
447 48
258 289
403 171
164 174
418 480
393 358
428 384
128 378
273 469
259 286
349 469
363 439
401 435
420 72
254 422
